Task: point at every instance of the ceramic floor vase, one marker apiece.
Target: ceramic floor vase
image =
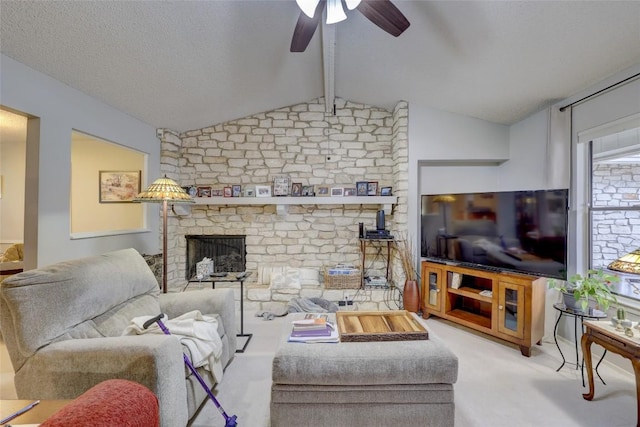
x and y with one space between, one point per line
411 296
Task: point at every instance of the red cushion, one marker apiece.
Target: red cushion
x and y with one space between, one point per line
111 403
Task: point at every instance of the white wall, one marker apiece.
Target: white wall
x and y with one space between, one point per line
62 109
452 153
527 165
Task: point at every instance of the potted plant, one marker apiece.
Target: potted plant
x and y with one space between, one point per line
411 293
595 284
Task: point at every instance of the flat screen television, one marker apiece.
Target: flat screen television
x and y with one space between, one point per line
517 231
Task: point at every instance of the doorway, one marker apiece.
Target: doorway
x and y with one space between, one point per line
13 152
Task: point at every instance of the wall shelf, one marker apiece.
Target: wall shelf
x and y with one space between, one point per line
386 202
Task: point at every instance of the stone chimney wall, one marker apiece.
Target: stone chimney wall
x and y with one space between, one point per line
358 143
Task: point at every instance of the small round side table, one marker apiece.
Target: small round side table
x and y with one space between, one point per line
590 314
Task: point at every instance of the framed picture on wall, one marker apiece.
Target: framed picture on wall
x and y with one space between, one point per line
118 186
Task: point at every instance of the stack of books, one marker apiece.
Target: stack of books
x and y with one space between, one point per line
313 328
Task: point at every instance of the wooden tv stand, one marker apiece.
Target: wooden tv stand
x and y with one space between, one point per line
505 305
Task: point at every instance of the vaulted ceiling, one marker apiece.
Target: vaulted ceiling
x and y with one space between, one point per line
190 64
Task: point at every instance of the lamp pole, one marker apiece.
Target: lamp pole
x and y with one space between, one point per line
164 246
164 190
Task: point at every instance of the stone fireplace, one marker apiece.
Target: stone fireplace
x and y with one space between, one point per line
227 252
356 143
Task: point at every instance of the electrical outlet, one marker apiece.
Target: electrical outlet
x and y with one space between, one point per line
350 302
342 303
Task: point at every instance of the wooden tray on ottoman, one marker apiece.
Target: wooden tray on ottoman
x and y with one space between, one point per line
360 326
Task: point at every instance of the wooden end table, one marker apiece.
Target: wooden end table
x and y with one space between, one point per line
616 342
38 414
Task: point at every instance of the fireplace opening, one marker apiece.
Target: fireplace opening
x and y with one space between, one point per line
227 252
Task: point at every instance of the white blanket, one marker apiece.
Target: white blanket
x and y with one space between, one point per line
196 331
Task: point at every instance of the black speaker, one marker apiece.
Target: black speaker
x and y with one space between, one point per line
361 230
380 220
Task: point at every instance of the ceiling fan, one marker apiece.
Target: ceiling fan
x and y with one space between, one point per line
381 12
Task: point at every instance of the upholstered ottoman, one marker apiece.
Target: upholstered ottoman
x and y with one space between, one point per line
363 384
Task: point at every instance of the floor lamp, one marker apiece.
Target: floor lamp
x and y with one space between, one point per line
165 191
630 263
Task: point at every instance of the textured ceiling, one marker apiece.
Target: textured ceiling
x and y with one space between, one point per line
190 64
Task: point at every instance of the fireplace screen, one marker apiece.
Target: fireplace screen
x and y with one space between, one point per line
227 252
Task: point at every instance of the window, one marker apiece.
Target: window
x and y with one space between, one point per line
614 208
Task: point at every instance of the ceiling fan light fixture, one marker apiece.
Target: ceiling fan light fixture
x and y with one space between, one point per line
308 7
352 4
335 12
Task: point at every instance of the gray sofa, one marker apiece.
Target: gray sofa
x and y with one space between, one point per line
62 326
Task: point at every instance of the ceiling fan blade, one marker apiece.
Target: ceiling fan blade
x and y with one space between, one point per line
385 15
305 28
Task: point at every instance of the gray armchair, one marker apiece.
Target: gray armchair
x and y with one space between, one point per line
63 325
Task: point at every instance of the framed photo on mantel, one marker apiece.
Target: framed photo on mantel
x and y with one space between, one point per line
323 191
263 191
361 188
372 188
281 185
296 189
349 191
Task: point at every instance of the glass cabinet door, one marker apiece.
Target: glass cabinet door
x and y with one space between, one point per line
511 309
432 288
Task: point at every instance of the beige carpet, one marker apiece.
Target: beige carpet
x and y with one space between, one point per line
496 385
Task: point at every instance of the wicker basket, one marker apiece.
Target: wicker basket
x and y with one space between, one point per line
351 280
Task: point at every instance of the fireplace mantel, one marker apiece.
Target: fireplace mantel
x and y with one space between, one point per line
386 202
